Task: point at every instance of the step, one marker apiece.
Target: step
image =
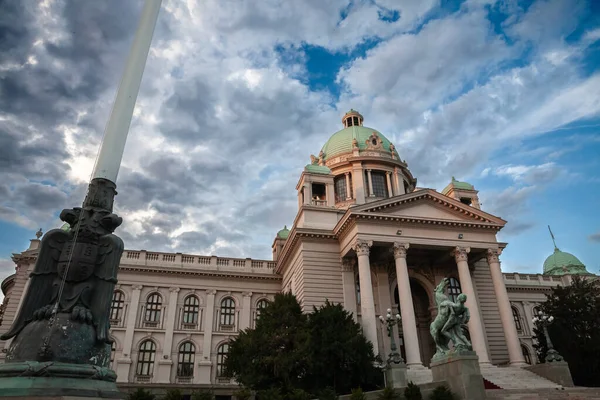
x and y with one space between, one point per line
546 394
516 378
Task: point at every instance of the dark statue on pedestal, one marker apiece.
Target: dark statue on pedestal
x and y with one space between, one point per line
62 328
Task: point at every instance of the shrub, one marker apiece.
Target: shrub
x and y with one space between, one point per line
388 393
173 394
328 394
298 394
243 394
203 395
442 393
141 394
357 394
270 394
412 392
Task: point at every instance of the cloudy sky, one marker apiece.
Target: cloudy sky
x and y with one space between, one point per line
238 93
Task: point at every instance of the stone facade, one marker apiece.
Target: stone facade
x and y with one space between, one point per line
364 236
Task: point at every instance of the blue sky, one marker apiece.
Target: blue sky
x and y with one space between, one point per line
237 94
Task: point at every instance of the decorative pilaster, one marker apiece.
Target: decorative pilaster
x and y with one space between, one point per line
165 364
515 353
348 192
204 365
367 302
349 285
475 324
134 306
246 310
370 180
407 311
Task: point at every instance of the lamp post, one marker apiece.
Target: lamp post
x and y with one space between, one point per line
390 321
544 320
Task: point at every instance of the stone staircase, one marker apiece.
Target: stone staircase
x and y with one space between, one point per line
516 378
502 377
544 394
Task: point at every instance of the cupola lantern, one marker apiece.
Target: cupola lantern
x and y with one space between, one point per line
352 118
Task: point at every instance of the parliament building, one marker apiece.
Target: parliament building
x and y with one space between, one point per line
365 236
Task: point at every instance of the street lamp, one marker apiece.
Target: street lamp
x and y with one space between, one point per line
544 320
390 321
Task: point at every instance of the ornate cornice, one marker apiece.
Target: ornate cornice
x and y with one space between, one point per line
191 272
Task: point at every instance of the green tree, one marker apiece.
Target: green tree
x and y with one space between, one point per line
140 394
173 394
339 355
575 331
203 395
271 355
289 350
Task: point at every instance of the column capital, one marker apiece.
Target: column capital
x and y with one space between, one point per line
137 287
388 172
400 249
461 253
362 247
348 264
493 256
174 289
211 292
247 294
347 173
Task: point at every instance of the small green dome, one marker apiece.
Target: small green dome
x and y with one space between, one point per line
66 227
341 141
562 263
284 233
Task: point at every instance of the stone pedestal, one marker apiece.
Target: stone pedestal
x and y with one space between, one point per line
461 372
395 375
557 372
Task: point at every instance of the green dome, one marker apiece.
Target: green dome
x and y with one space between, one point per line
284 233
341 141
562 263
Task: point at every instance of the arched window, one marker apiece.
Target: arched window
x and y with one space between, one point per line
113 350
185 360
526 354
116 305
227 312
453 289
191 308
357 286
262 303
517 319
145 364
153 308
222 351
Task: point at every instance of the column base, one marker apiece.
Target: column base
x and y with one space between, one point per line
415 366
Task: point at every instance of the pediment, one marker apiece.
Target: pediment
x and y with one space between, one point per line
431 205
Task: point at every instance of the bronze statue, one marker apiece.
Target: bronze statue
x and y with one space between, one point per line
450 322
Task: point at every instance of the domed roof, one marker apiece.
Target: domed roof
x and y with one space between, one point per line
341 141
284 233
454 184
563 263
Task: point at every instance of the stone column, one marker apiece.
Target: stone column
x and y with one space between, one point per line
164 364
367 302
389 184
205 364
371 194
475 324
348 193
124 363
349 286
398 182
407 310
246 311
515 354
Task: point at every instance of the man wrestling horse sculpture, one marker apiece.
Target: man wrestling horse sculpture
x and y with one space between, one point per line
450 321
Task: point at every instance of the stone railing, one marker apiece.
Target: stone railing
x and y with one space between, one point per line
154 259
514 279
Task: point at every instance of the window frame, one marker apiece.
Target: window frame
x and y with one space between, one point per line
186 354
526 354
117 305
339 183
146 358
191 310
153 308
380 188
222 352
454 288
227 312
517 318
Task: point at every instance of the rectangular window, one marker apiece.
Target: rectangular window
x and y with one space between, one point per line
379 184
340 188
